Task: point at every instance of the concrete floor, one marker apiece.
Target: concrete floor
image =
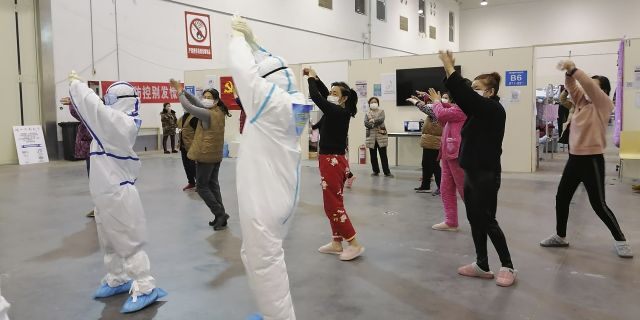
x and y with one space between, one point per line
50 251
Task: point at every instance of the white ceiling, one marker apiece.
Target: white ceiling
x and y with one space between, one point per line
472 4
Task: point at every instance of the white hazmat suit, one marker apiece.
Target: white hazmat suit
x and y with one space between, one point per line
120 218
4 308
268 168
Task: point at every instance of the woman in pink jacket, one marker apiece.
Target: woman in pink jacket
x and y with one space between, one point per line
452 118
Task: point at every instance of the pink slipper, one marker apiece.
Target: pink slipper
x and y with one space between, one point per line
472 270
506 277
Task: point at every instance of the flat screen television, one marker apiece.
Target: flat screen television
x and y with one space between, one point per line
410 80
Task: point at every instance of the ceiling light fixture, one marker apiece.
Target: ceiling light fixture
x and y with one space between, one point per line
420 11
483 3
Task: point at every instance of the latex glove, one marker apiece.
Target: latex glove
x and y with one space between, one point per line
73 76
240 25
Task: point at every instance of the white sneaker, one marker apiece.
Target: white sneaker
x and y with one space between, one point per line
351 252
329 249
623 249
443 227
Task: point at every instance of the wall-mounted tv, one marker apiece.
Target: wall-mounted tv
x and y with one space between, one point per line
410 80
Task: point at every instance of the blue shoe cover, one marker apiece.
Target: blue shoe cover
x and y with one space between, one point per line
255 316
143 301
105 290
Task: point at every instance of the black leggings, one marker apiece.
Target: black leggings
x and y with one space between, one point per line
481 201
173 142
590 171
430 167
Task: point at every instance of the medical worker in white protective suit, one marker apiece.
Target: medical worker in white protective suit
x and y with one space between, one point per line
268 167
4 308
119 214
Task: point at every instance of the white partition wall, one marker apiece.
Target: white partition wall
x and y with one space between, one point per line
519 141
19 74
631 108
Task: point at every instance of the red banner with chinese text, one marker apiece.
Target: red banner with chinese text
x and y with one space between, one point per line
149 92
227 88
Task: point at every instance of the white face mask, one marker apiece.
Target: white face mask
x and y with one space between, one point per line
374 106
207 103
445 100
333 99
480 92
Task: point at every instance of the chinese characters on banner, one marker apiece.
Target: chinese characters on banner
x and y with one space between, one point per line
149 92
198 30
226 93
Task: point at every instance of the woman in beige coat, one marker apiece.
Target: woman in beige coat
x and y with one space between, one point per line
377 137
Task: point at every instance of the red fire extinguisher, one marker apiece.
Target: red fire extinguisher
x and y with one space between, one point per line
362 154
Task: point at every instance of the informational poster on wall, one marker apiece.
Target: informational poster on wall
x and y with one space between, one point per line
30 144
377 90
190 89
150 92
361 90
198 32
227 88
388 82
636 77
211 82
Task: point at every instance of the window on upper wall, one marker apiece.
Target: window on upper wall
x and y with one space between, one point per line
360 7
381 10
328 4
422 20
404 23
452 28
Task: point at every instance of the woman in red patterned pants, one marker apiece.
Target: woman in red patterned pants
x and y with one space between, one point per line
338 106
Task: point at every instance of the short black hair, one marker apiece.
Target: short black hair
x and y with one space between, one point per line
605 85
374 98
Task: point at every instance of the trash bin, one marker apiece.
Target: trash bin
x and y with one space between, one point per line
69 131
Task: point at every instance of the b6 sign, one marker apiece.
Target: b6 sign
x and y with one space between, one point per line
516 78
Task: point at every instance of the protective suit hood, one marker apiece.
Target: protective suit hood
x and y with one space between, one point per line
275 70
125 97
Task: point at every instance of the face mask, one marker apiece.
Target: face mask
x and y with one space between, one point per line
333 99
374 106
480 92
445 100
207 103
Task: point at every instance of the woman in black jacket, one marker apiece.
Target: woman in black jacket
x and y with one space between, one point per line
480 153
338 106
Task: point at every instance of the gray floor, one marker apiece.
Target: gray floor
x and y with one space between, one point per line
50 251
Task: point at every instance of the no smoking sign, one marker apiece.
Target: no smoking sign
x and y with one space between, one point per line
198 32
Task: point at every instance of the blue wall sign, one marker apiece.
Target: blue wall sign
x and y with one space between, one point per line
516 78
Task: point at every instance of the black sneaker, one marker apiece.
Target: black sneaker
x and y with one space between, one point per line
375 174
166 152
221 224
389 175
423 190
